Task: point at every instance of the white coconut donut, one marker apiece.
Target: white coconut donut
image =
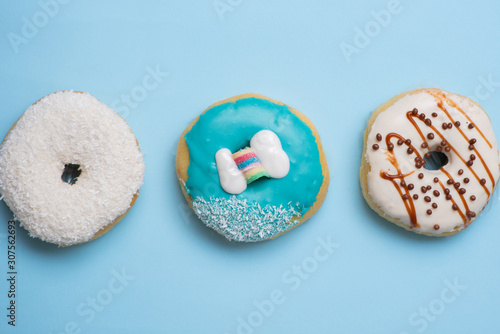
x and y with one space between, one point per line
63 131
395 180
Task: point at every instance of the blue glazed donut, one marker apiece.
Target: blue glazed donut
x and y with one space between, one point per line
267 207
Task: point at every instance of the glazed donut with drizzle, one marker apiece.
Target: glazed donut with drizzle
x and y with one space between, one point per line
430 161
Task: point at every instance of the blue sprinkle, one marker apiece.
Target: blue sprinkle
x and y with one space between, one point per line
239 220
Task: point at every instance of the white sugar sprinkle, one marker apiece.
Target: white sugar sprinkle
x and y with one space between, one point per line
242 221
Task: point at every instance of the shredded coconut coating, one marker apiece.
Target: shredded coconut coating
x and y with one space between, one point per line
69 128
239 220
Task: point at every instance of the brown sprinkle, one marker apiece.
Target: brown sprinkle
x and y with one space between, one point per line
402 183
427 199
471 214
427 155
448 197
375 147
421 176
436 227
447 191
424 145
471 147
462 191
414 111
421 116
457 185
471 126
473 198
472 157
429 212
472 141
466 180
434 205
455 207
436 180
447 149
430 135
436 193
424 189
460 172
379 137
483 182
406 196
415 196
390 147
457 124
439 148
443 143
450 181
434 114
429 187
470 163
409 150
400 142
445 126
450 125
411 186
428 121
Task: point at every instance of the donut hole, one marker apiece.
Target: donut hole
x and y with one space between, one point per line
436 160
71 173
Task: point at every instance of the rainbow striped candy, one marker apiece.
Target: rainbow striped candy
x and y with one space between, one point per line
249 164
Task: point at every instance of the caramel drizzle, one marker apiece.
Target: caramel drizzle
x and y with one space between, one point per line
410 117
454 105
466 219
409 205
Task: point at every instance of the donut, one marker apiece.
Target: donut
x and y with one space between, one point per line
70 168
430 161
252 168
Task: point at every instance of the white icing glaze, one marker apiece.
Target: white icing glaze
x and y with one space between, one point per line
395 120
69 128
267 148
231 178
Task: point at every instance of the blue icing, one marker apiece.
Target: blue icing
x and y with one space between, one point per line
232 125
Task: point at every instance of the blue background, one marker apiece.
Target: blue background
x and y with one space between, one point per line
183 277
